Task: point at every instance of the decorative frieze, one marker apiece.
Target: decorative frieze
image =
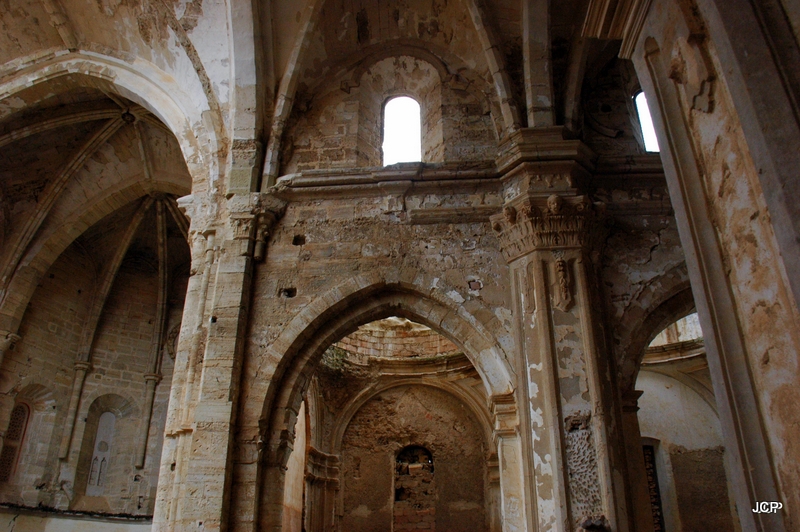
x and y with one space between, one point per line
555 222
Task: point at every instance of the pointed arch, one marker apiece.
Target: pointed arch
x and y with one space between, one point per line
144 84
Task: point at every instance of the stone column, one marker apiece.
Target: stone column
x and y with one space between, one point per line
641 509
199 438
547 239
7 342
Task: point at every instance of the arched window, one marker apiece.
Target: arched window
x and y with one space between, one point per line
402 131
12 443
101 457
646 122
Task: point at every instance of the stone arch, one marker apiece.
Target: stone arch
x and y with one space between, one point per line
39 396
339 312
669 310
144 84
652 310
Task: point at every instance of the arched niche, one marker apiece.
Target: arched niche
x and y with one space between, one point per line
32 448
119 435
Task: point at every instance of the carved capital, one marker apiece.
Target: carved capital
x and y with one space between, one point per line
82 365
252 218
506 419
552 223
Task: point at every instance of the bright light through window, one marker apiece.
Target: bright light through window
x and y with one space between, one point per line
648 131
402 138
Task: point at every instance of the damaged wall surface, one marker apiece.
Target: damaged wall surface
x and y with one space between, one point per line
219 311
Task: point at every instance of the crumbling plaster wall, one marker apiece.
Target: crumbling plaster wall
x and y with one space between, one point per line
739 221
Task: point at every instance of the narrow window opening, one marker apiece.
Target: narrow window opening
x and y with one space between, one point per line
653 488
101 457
402 131
646 122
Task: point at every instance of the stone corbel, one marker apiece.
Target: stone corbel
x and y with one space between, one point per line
630 401
252 218
322 467
7 342
506 418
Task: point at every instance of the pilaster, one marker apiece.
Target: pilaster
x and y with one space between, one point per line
197 458
550 235
514 503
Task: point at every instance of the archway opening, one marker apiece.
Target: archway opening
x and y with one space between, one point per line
682 442
383 401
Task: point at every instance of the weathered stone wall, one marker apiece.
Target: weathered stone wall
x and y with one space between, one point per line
413 416
343 126
44 358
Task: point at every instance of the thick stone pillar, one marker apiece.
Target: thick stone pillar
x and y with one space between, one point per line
728 148
196 464
641 509
547 234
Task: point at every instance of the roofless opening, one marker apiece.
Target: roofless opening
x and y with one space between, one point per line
402 131
646 122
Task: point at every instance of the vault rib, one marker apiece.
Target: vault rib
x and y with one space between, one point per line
178 216
55 123
53 192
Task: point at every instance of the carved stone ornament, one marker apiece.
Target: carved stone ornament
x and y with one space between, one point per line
251 219
555 222
563 294
529 290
